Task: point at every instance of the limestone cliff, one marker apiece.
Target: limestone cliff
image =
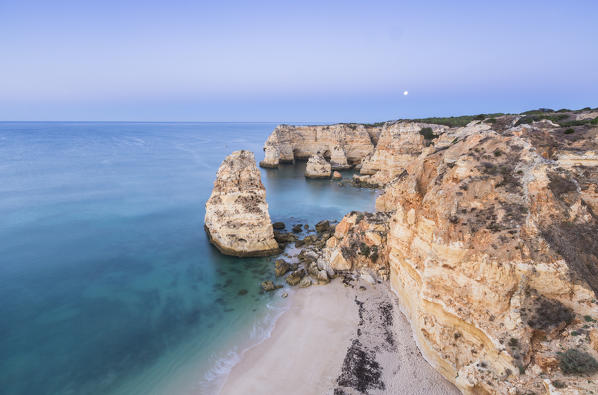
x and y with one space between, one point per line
400 143
493 252
488 233
237 220
343 144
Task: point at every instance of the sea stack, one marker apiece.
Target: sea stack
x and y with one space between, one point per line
318 167
237 220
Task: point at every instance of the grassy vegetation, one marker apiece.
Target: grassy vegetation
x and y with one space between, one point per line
558 116
558 384
364 250
539 111
574 361
569 131
375 124
576 122
455 121
538 117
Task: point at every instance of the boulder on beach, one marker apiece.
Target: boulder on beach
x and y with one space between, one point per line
295 277
323 277
305 282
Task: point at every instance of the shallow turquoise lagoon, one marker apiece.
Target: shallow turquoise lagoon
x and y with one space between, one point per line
107 281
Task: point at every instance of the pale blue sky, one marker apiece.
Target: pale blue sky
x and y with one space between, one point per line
302 61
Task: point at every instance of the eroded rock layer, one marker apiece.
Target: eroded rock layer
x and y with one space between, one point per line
343 144
237 220
493 252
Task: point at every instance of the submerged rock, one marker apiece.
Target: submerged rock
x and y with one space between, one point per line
284 237
237 220
297 228
278 225
270 286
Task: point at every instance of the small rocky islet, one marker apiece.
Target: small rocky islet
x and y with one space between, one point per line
486 229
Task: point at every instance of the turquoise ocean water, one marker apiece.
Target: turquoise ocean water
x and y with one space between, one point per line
108 284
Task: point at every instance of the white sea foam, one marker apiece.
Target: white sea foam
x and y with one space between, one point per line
261 330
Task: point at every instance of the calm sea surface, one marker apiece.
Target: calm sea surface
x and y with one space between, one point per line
107 281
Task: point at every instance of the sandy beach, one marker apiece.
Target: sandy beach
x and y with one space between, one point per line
338 339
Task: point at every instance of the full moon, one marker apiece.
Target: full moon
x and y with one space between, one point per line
405 93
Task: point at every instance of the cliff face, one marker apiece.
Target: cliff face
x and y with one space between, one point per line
489 236
493 252
400 144
237 220
344 144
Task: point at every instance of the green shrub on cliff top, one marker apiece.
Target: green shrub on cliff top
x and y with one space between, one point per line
428 133
574 361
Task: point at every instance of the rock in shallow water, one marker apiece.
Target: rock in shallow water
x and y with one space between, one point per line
317 167
237 220
278 225
322 226
270 286
281 267
297 228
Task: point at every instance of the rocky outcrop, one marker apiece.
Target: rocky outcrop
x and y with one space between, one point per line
237 220
317 167
344 144
359 244
400 143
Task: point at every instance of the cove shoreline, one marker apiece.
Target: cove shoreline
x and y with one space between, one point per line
327 342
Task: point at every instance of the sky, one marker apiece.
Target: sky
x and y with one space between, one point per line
300 61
